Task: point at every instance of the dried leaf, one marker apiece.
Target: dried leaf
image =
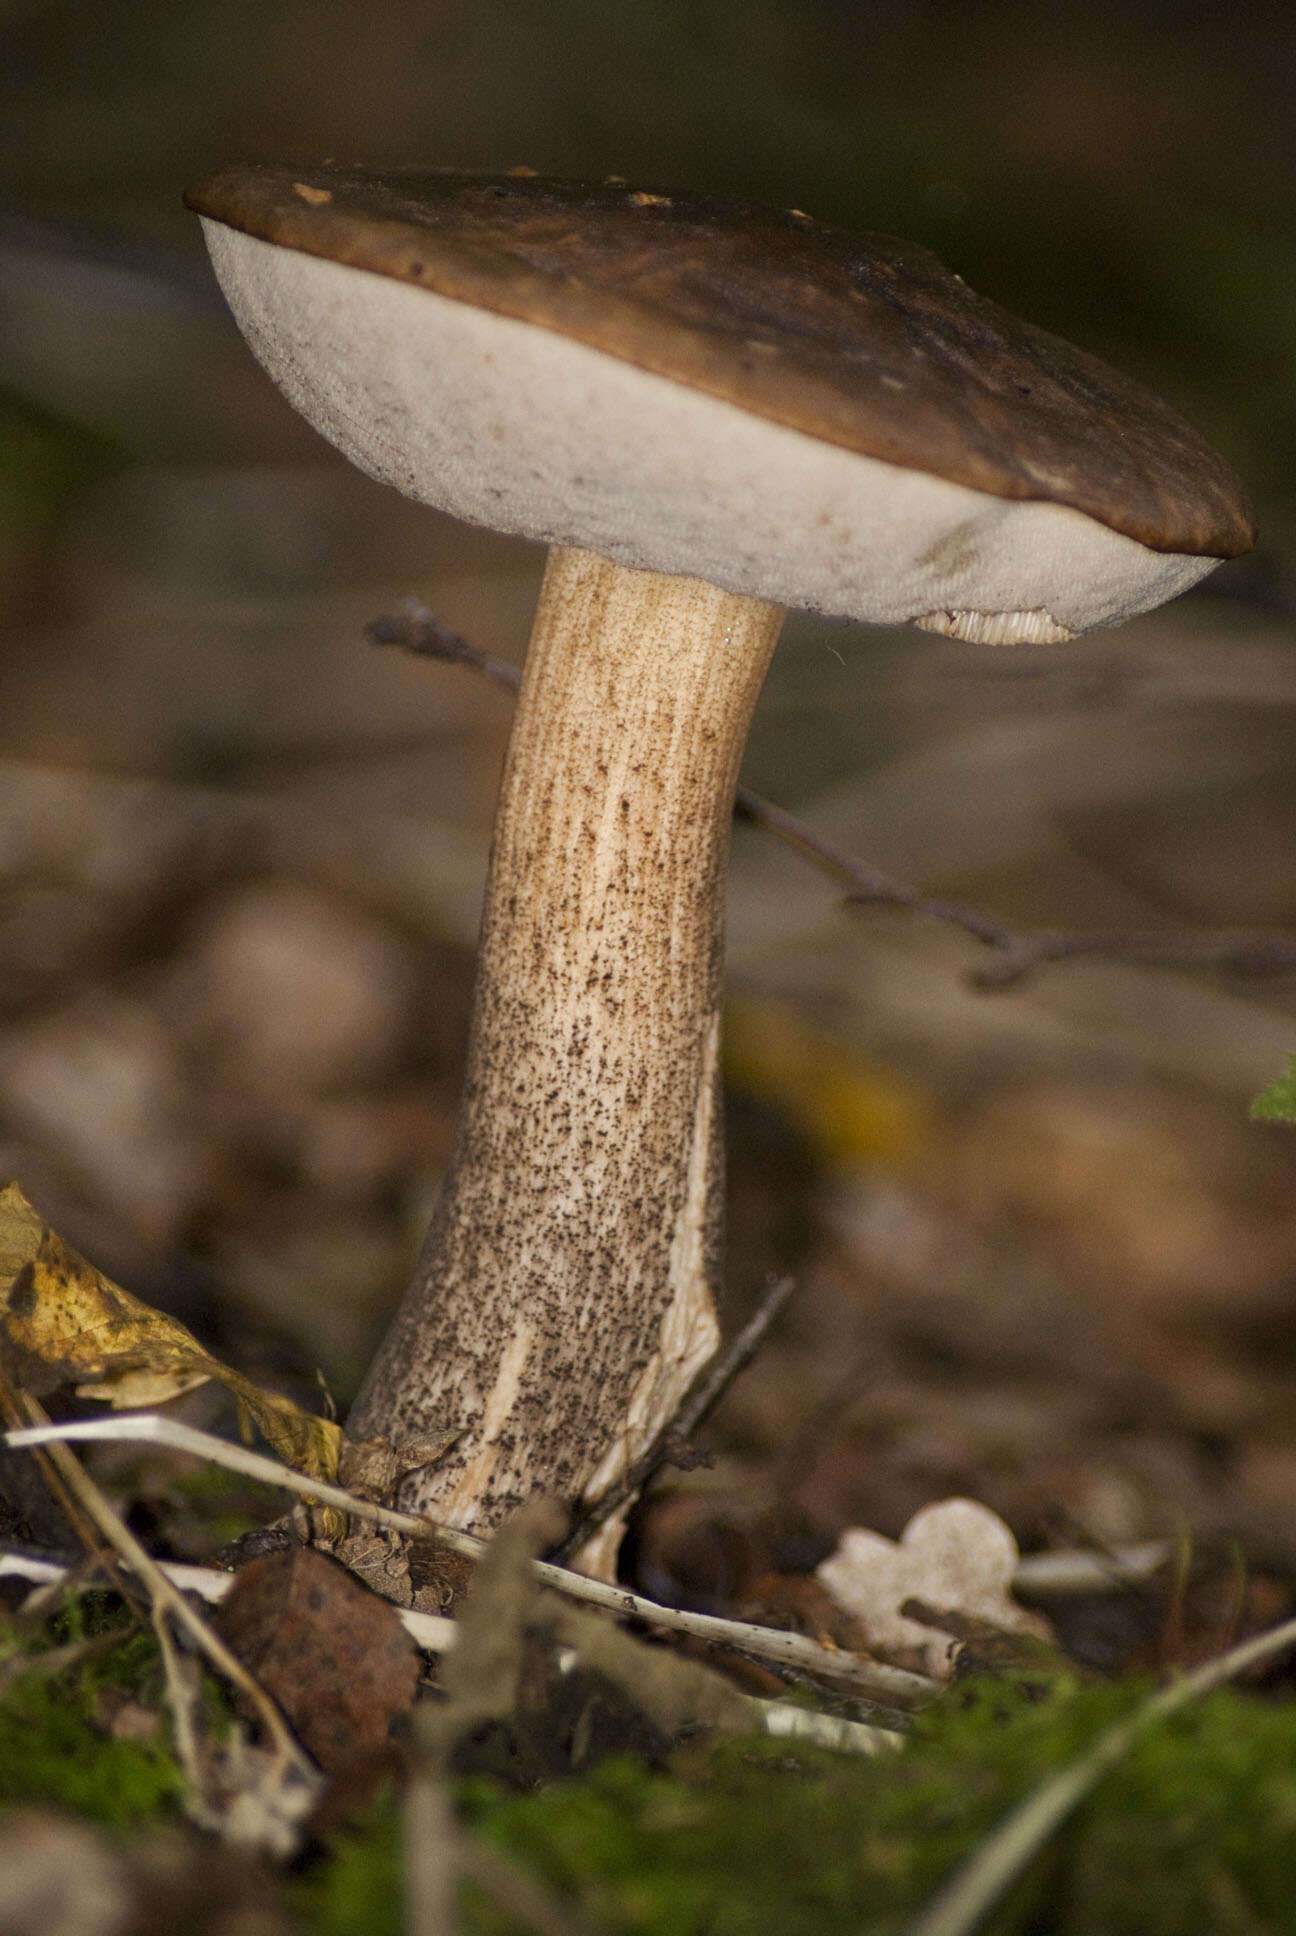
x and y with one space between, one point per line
955 1556
332 1654
62 1322
373 1468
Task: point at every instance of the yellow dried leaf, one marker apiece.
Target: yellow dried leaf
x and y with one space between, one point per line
62 1322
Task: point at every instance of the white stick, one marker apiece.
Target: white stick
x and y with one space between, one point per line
868 1677
1053 1575
433 1633
436 1635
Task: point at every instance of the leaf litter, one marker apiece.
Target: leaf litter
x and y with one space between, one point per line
543 1698
63 1323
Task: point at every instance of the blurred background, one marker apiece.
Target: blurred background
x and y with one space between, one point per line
1042 1255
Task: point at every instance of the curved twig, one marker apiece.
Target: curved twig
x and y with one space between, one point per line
873 1679
1017 952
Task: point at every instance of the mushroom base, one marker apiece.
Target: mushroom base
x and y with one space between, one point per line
564 1301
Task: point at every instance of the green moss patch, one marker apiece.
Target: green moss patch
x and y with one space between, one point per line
1196 1829
54 1749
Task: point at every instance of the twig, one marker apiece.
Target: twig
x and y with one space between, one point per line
167 1602
419 631
1018 951
55 1660
694 1410
50 1583
431 1848
433 1634
787 1722
960 1906
875 1680
205 1581
430 1631
15 1408
1049 1575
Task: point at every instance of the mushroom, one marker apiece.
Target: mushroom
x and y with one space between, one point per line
709 412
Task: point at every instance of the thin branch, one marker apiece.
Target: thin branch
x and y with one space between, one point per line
166 1600
17 1408
666 1448
1018 951
432 1632
419 631
700 1404
875 1680
967 1899
432 1849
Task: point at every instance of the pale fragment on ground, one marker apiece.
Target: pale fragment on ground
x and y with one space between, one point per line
955 1556
264 1800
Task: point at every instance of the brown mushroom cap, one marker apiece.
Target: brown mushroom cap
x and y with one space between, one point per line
861 341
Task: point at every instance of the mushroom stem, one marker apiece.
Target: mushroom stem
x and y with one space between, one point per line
564 1301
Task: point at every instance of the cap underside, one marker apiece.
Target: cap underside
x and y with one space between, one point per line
861 342
526 430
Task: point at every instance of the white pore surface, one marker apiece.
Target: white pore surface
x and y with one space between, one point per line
523 430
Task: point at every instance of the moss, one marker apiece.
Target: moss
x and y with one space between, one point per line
52 1751
356 1888
1203 1818
1197 1828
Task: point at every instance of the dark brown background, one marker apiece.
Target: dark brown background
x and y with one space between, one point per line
1044 1257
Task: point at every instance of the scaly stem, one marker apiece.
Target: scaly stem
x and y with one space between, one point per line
564 1301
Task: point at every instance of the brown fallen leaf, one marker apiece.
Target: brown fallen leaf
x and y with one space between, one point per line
331 1653
62 1322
